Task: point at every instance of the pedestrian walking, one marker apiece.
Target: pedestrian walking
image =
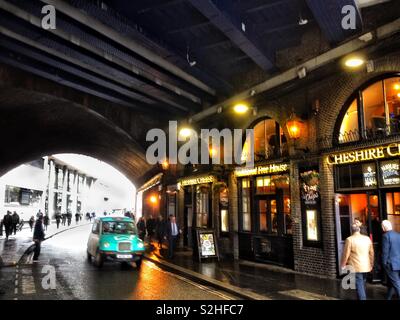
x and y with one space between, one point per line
39 214
358 253
31 222
80 216
38 237
69 218
58 219
150 226
391 258
141 225
77 215
88 216
7 221
1 227
160 230
63 219
172 235
15 222
46 221
363 228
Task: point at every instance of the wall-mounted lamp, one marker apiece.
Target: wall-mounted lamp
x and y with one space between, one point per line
294 125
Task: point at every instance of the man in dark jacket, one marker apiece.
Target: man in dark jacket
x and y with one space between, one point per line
391 256
15 222
46 221
172 233
160 231
150 226
7 221
38 237
58 219
77 215
69 218
141 225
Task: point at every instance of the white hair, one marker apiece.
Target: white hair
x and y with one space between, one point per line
387 226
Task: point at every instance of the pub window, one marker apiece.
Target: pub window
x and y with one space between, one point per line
360 176
288 215
246 211
349 130
265 185
202 206
393 209
374 108
377 109
269 141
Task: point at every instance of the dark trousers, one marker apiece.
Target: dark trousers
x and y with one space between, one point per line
37 250
361 278
14 228
172 245
58 223
394 277
7 229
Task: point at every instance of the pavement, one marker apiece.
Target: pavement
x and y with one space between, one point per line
258 281
11 251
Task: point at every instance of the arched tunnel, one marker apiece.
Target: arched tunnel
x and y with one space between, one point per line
35 124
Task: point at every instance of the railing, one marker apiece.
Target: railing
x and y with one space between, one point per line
356 136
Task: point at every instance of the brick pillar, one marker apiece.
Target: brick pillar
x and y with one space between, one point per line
233 214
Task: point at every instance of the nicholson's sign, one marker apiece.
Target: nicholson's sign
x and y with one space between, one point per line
197 180
381 152
271 168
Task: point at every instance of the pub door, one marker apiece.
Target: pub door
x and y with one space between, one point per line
270 242
364 206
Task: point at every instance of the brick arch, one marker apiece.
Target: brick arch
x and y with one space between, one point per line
343 88
33 125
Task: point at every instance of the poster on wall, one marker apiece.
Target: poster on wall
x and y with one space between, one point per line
312 225
207 244
310 205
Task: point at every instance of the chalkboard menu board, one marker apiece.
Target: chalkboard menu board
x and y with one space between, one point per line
207 244
390 172
310 206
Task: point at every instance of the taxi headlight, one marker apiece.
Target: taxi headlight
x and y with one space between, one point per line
140 245
106 245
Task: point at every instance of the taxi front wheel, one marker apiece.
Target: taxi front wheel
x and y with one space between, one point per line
99 260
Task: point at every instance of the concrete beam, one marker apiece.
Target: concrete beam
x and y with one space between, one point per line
128 43
222 16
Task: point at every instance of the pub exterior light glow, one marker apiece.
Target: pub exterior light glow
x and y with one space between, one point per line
153 199
185 132
354 62
241 108
294 127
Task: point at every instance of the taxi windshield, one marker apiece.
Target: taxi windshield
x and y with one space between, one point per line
119 227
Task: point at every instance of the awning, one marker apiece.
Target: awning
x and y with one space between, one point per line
151 183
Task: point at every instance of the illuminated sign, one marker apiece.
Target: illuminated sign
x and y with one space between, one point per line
381 152
272 168
198 180
369 175
390 173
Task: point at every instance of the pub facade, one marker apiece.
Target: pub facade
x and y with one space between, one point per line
295 207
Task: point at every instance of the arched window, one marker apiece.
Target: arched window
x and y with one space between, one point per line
373 112
269 141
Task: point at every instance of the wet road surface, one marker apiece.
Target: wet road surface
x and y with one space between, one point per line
77 278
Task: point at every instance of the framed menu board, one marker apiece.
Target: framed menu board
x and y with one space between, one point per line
310 206
207 244
390 172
